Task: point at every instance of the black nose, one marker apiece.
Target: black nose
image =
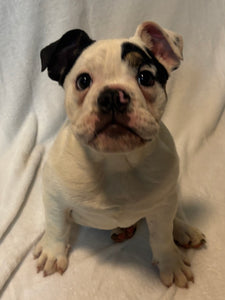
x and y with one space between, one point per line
111 100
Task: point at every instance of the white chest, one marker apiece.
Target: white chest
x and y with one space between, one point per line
111 191
119 200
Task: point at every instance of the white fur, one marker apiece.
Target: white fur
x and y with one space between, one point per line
111 185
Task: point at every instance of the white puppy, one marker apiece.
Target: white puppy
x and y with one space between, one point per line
114 162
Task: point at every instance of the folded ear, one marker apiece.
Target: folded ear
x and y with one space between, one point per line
166 45
60 56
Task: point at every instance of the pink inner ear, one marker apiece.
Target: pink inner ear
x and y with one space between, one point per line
154 32
161 49
160 45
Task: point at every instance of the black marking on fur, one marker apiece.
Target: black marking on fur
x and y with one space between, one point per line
60 56
176 41
140 57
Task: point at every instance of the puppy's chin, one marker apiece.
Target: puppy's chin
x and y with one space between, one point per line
116 139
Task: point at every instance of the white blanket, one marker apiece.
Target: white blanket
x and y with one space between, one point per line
31 110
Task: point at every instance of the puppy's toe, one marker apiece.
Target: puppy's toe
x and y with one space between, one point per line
50 266
180 279
41 262
62 263
188 273
167 278
37 251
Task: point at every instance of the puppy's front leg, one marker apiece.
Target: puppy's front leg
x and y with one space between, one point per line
53 248
172 264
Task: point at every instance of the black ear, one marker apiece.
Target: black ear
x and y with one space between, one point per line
60 56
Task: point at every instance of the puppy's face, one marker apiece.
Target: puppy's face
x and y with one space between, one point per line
115 96
115 89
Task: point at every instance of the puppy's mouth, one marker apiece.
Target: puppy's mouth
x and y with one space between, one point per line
116 137
115 129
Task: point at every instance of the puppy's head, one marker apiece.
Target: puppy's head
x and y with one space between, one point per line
115 89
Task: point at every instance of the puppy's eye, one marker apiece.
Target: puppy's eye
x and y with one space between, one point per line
145 78
83 81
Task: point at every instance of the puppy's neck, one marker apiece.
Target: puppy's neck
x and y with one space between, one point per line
121 162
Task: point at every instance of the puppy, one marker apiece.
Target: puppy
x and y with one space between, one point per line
114 162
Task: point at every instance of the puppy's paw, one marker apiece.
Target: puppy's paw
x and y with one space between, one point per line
175 268
51 256
187 236
121 234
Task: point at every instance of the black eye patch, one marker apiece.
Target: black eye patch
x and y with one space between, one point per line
60 56
135 57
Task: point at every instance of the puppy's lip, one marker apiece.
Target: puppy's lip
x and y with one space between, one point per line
115 137
115 129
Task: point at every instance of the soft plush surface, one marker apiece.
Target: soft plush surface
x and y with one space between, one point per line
31 110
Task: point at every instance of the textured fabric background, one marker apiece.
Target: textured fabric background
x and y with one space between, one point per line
31 112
